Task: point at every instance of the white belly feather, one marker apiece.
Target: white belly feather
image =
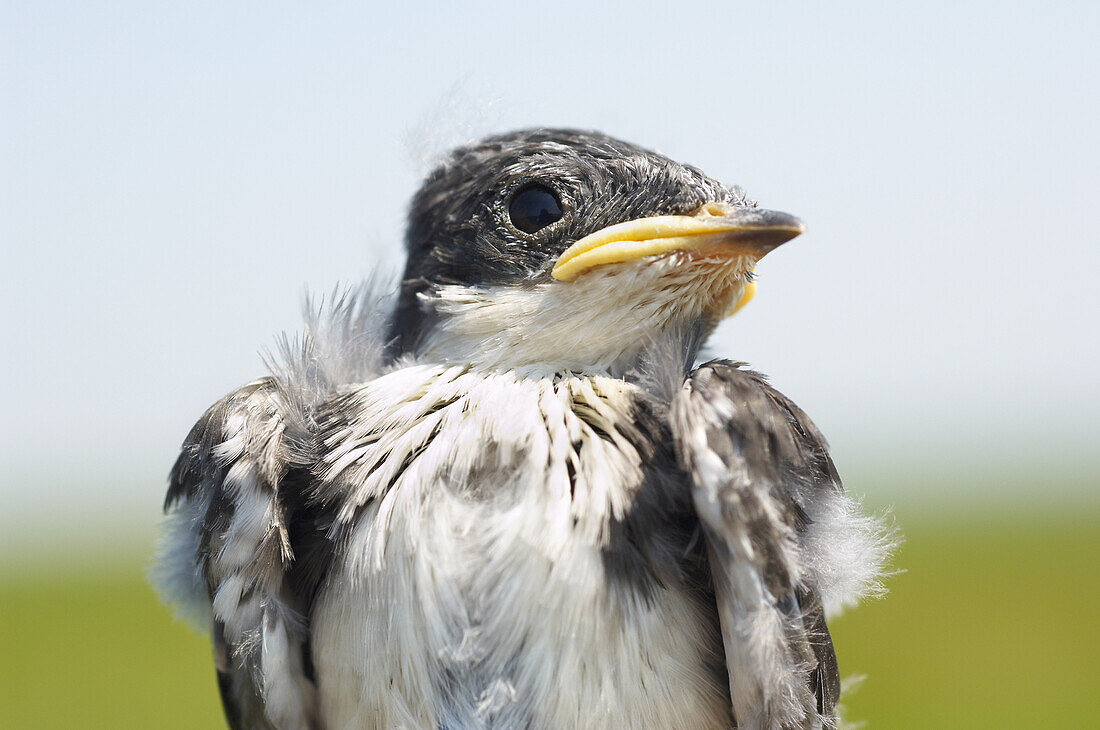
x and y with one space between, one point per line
474 593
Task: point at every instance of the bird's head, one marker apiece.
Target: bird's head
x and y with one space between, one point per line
572 250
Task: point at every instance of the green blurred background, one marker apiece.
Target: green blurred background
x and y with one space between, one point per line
172 174
990 623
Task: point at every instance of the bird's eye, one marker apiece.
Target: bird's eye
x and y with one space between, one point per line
533 208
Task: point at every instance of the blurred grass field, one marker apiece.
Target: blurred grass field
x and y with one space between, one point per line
992 625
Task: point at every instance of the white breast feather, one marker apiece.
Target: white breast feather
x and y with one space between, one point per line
479 568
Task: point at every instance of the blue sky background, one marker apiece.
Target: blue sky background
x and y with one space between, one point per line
174 174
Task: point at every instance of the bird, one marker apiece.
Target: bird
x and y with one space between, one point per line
506 491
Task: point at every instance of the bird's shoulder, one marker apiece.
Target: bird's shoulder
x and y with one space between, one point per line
248 423
729 413
735 433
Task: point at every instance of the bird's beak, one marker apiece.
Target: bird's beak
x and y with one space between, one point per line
714 231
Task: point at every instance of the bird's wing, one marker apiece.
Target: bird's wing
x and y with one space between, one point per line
759 468
228 506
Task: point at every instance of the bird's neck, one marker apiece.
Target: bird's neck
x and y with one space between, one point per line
608 326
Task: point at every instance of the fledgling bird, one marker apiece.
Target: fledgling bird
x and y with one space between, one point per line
507 498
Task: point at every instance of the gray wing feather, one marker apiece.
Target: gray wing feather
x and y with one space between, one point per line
756 463
225 493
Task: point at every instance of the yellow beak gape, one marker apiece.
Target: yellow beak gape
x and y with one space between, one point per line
746 297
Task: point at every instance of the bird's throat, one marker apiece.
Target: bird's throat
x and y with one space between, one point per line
602 322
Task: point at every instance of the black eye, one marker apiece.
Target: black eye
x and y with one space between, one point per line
533 208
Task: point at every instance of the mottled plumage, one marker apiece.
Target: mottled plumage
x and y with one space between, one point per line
504 500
